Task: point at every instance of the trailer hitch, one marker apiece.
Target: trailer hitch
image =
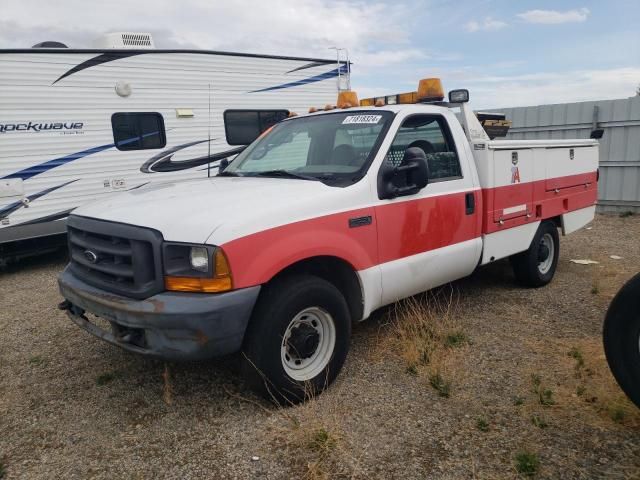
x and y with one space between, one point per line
67 306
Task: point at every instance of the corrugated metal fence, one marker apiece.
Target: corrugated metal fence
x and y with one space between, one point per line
619 186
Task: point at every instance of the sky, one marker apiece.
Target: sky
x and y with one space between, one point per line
506 52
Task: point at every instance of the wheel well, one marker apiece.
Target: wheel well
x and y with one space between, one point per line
556 220
335 271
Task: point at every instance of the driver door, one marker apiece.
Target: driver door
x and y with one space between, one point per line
433 236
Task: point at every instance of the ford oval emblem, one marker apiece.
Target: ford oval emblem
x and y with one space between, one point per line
90 256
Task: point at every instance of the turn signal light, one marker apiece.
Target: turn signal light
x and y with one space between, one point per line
220 282
430 90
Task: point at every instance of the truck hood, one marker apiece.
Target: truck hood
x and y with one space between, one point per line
217 209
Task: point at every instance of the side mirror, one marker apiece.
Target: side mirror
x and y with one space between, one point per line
408 178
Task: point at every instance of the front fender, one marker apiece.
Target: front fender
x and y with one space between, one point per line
257 258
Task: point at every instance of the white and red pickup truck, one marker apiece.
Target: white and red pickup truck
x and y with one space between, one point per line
322 220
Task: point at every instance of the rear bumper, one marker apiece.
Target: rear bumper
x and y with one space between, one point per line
169 325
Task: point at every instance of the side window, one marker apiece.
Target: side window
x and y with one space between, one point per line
138 131
242 127
431 134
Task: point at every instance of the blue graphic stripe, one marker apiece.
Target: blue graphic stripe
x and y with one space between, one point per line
57 162
317 78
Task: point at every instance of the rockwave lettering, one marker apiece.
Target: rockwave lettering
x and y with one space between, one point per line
39 126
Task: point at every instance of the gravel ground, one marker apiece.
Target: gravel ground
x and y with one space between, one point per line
72 406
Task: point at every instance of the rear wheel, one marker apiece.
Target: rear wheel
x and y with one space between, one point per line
298 339
621 338
536 266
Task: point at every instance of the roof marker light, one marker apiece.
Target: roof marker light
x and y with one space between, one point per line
409 97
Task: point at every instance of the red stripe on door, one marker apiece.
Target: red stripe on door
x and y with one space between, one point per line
397 230
409 228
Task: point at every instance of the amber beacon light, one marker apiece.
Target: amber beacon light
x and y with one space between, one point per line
347 99
430 90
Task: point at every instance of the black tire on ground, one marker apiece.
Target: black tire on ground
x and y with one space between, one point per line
528 265
621 338
263 359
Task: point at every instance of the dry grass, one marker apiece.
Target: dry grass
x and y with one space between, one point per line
311 438
580 384
425 331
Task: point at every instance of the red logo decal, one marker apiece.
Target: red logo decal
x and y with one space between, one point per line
515 175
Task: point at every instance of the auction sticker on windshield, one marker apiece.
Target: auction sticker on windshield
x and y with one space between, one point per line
362 119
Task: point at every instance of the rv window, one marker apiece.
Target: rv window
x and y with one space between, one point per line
242 127
138 131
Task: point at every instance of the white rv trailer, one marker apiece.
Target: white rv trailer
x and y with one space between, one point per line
76 125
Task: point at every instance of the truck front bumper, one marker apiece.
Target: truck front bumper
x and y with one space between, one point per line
169 325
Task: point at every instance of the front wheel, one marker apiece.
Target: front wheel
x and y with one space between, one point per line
536 266
298 339
621 337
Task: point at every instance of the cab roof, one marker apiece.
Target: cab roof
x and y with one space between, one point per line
411 107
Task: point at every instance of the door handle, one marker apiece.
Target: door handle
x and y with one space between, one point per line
470 203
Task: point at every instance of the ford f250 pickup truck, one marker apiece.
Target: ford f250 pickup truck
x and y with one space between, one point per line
325 218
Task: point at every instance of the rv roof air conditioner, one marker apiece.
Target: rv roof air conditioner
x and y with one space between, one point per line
50 44
128 40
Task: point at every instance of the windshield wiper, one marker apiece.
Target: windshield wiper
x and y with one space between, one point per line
284 174
228 174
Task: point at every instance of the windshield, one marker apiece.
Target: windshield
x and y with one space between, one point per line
330 147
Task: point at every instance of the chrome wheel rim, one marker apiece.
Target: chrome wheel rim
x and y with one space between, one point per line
546 253
308 344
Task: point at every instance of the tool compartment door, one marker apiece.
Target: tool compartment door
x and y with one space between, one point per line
566 166
513 184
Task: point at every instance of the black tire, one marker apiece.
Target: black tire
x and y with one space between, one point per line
527 266
621 338
279 303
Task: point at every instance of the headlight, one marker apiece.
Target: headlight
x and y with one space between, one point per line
195 268
199 259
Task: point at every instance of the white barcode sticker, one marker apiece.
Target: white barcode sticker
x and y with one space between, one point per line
373 119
